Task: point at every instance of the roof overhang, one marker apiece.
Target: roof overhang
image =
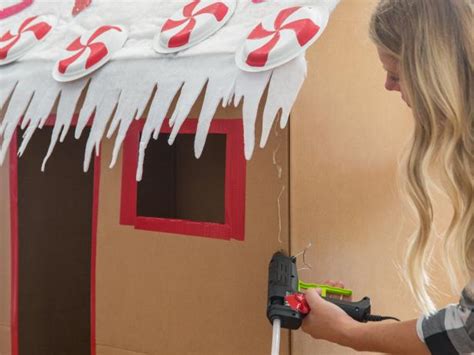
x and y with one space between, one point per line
137 78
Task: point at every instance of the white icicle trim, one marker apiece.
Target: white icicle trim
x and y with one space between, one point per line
66 107
282 94
121 91
250 88
220 88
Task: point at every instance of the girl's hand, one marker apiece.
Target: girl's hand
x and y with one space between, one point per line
338 284
326 321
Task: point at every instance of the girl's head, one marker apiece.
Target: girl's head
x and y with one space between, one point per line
427 48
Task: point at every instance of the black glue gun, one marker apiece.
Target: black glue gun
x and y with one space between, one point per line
288 304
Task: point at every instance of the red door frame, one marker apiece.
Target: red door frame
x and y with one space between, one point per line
14 239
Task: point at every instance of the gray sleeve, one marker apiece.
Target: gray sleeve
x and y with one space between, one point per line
450 330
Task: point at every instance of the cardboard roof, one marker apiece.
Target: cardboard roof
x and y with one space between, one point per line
137 77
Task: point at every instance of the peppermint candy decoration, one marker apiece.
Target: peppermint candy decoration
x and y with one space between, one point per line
281 37
14 8
192 24
79 6
89 52
15 44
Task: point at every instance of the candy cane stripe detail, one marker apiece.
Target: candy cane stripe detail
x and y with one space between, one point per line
260 32
259 57
39 30
183 36
170 24
304 29
79 6
219 10
15 9
189 8
97 50
283 15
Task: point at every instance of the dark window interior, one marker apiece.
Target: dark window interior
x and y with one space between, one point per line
176 185
55 228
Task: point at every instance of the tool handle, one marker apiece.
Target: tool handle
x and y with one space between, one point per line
359 311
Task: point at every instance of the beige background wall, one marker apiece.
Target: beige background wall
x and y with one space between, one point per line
4 260
346 135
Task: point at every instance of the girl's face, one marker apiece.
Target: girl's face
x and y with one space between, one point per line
393 80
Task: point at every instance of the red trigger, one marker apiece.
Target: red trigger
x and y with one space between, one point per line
297 302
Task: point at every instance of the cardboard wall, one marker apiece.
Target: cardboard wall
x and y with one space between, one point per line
346 135
5 260
170 294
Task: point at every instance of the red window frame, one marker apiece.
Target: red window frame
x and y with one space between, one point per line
235 176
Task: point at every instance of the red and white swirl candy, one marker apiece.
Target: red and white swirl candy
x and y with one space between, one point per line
192 24
89 52
281 37
15 43
79 6
11 8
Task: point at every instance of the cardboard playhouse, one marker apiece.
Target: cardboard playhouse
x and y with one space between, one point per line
137 215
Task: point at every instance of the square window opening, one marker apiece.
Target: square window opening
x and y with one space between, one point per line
176 185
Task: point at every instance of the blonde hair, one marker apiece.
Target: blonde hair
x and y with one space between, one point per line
432 41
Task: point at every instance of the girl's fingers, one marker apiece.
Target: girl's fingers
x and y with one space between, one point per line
333 283
330 283
338 284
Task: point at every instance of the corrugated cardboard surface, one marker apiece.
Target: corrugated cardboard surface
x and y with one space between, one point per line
176 295
5 260
346 135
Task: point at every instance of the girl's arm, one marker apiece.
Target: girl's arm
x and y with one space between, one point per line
393 338
328 322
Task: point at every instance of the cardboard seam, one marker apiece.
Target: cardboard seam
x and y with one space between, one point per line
121 348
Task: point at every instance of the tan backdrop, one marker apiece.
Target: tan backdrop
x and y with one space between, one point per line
346 135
